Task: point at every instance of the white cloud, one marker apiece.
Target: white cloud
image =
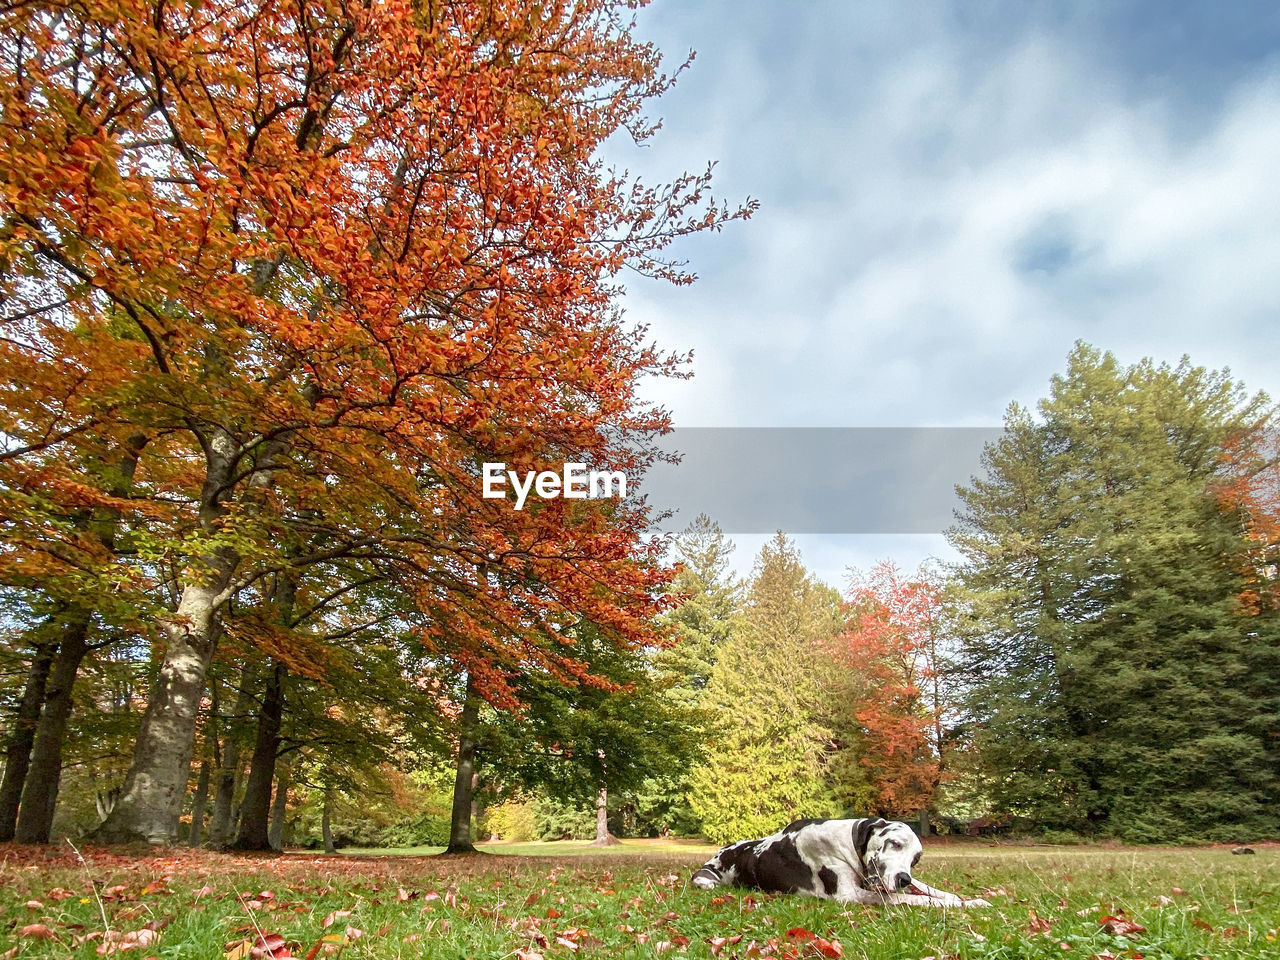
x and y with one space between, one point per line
937 231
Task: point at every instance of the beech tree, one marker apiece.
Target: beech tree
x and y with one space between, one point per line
317 263
890 650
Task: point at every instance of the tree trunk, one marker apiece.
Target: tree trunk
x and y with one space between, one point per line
151 803
255 809
198 804
18 755
603 837
40 792
464 782
279 806
222 826
148 809
326 831
924 821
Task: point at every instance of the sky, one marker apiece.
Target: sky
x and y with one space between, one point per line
951 194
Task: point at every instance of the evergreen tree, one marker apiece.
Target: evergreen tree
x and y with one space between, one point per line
767 760
1116 680
709 597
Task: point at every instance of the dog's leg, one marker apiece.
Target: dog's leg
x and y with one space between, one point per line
856 894
949 899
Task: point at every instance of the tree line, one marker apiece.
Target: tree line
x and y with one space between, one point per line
1104 659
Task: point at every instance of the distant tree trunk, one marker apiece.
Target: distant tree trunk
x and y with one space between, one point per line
603 837
199 803
279 806
255 809
326 818
222 826
18 755
464 782
924 821
40 791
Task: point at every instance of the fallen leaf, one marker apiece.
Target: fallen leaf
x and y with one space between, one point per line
1121 927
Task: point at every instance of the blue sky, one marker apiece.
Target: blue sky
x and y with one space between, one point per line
951 194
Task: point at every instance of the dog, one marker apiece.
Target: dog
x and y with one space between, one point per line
849 861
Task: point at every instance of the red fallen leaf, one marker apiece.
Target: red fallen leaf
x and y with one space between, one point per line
566 942
523 954
553 913
335 915
1230 931
680 940
354 934
34 905
155 886
385 930
37 931
799 933
717 944
60 893
1201 925
827 948
1121 927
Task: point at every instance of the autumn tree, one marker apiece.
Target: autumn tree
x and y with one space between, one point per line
890 652
315 264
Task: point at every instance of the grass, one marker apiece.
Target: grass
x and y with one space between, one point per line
1048 902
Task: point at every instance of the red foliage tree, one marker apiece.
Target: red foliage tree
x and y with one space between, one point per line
317 262
890 649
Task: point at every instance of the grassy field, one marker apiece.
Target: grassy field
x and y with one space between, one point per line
631 901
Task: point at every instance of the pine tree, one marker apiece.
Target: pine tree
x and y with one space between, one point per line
1119 685
709 597
768 757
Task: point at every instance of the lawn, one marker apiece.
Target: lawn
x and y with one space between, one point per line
632 901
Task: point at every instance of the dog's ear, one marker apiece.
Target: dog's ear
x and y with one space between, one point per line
862 835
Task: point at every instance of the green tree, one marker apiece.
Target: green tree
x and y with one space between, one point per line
704 620
769 754
1116 682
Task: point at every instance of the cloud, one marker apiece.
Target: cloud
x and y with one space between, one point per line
953 193
947 210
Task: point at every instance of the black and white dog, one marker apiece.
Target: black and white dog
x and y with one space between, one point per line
850 861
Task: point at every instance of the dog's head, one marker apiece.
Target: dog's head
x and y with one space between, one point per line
888 851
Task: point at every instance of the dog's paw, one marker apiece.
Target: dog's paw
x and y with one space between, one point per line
975 902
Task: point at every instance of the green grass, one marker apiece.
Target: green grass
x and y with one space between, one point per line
1048 902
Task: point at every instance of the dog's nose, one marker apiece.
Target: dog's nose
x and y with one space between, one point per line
902 881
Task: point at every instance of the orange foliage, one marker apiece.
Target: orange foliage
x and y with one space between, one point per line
1252 488
356 249
888 649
